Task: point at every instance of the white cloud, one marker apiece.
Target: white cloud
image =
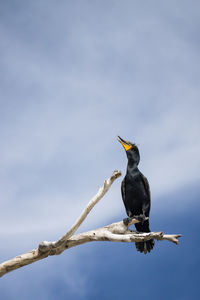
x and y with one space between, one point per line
71 88
73 77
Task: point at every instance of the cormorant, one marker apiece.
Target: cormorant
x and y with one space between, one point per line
136 194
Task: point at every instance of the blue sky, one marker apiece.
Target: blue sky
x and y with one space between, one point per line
73 76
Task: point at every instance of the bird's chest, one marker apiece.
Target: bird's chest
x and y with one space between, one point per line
135 191
134 184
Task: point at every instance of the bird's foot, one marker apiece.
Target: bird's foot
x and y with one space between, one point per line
141 218
126 221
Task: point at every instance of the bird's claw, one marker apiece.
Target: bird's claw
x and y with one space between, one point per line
140 218
126 221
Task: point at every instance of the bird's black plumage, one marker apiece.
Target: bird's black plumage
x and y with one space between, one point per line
136 194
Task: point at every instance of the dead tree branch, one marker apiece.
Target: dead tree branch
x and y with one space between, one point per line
116 232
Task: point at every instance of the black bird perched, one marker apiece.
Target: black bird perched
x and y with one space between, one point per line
136 194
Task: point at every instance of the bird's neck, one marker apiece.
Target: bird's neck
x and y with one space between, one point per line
132 166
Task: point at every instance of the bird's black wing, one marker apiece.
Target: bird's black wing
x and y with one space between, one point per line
123 189
147 202
146 186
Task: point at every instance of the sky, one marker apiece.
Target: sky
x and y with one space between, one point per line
73 76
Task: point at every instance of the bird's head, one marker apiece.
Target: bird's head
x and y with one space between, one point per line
131 149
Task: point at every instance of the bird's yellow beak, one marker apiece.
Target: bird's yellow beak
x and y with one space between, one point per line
127 145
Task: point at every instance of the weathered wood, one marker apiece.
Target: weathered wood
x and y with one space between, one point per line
102 191
115 232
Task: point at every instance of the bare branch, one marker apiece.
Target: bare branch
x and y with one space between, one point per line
115 232
101 192
44 248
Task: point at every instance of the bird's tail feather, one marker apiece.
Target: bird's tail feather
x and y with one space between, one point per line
145 247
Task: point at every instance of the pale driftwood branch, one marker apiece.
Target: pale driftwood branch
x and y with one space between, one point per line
91 204
43 249
115 232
